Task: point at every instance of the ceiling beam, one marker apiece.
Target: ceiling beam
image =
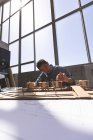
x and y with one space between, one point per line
3 1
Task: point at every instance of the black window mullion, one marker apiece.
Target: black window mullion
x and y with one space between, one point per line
1 22
54 33
85 34
34 36
20 14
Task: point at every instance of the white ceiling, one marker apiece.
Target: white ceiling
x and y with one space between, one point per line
3 1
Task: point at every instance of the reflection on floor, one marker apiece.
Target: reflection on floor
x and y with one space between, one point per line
46 120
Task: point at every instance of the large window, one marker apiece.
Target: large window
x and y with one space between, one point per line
6 11
49 29
27 19
27 46
5 27
14 27
15 5
44 45
24 2
63 7
85 1
14 48
71 46
88 15
0 14
14 70
42 13
0 29
27 67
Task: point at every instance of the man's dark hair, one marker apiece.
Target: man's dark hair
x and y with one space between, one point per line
41 62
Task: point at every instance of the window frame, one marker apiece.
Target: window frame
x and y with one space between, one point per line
80 9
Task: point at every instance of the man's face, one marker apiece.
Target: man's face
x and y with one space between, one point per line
45 68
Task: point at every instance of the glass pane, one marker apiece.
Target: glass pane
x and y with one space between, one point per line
63 7
85 1
6 10
42 13
14 70
88 16
15 5
14 48
27 19
5 27
0 14
24 2
71 46
27 67
14 27
44 45
0 29
27 49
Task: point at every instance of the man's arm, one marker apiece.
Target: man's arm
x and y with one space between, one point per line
41 77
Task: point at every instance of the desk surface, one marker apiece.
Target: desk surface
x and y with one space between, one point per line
76 93
46 120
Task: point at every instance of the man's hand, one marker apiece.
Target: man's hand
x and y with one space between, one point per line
28 84
31 84
62 77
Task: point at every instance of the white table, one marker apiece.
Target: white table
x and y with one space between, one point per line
46 119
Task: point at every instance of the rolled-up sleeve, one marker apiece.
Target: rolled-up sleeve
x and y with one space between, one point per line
40 78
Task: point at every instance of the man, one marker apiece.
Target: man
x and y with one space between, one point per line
51 73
